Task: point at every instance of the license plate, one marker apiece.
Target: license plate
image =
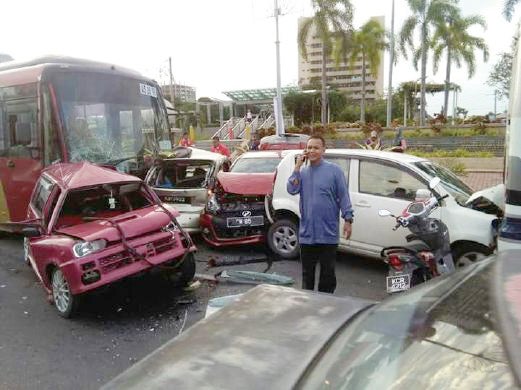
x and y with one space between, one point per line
256 220
398 283
175 199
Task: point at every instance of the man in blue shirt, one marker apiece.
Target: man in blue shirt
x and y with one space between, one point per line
323 196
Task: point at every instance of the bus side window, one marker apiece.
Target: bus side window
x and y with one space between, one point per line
20 127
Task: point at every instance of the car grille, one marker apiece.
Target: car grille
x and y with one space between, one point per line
123 258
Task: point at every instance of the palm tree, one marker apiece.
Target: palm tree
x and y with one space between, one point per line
453 38
331 18
426 14
508 9
367 44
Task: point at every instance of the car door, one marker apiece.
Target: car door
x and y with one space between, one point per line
380 185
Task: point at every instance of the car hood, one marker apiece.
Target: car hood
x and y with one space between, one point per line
493 195
247 183
133 224
265 340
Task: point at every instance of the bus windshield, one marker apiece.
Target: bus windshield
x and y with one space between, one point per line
108 118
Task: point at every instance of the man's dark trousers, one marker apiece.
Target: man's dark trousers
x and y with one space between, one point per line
325 254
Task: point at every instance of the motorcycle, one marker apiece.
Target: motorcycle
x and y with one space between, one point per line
428 252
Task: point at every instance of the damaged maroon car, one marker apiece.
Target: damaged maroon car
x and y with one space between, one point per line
235 211
90 226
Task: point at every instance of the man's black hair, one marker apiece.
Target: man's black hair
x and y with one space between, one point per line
215 138
317 136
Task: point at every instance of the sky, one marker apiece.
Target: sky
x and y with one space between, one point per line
222 45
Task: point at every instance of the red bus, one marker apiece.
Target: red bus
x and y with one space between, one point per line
62 109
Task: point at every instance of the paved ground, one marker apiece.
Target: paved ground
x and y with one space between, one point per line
119 326
479 180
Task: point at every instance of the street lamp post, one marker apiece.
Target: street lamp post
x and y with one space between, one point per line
391 61
278 106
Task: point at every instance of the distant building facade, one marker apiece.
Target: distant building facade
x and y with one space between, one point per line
183 93
342 77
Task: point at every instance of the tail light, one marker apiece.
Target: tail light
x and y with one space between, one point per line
395 262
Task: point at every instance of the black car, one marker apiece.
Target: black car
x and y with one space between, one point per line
444 334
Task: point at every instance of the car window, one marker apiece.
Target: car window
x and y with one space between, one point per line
182 174
43 190
256 165
105 201
447 326
385 180
342 162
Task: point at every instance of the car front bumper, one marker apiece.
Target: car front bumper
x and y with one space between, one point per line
115 262
217 234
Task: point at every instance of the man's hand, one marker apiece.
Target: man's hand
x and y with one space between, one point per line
299 161
347 230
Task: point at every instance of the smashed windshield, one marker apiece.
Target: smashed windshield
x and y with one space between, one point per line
108 117
450 182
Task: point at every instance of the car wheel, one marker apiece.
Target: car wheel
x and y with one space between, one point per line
283 238
185 273
468 253
64 301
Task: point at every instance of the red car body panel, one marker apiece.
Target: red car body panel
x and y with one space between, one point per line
246 183
135 224
143 229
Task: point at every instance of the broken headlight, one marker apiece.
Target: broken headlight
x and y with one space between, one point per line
85 248
212 205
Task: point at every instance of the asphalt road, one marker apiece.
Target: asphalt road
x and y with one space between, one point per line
119 326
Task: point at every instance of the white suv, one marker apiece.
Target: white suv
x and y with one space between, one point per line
383 180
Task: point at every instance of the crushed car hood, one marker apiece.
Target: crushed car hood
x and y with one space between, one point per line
492 196
133 224
247 183
265 340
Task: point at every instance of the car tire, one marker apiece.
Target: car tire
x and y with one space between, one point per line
185 273
283 238
468 253
64 301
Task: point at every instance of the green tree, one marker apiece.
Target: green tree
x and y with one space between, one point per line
426 14
508 9
367 44
500 75
331 18
452 38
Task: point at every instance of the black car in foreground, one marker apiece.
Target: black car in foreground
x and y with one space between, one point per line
444 334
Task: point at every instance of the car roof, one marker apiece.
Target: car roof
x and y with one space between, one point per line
264 154
392 156
199 154
287 137
85 174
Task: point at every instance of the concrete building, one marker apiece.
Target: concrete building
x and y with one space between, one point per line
342 77
183 93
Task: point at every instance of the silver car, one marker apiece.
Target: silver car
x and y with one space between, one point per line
183 182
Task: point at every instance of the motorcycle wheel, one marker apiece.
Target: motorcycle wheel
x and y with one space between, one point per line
420 276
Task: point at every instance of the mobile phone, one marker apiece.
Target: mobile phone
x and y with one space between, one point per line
303 160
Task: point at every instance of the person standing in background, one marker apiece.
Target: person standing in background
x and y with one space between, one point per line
218 147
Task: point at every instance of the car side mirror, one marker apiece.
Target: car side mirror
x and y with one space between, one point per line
434 182
31 231
226 167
